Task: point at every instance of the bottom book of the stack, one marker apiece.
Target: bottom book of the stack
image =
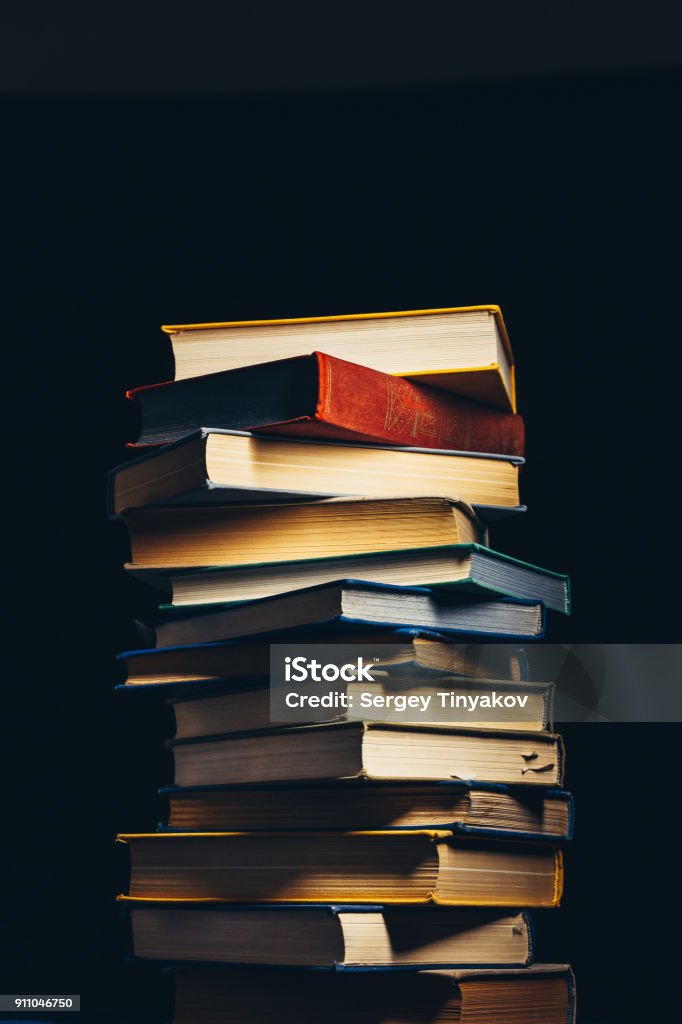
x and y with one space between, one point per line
543 994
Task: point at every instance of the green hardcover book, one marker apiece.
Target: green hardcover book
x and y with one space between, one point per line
465 568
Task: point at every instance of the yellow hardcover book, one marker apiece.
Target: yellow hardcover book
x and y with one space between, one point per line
404 866
462 349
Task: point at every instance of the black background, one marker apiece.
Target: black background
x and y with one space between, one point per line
555 197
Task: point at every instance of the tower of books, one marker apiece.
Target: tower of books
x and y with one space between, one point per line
362 837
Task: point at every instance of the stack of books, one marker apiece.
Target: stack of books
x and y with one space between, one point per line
326 482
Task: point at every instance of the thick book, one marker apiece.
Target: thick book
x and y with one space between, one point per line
320 396
358 804
335 937
374 750
400 866
465 350
462 568
541 994
367 605
218 467
205 666
241 535
450 701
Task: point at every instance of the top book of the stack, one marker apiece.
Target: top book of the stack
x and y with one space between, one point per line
464 350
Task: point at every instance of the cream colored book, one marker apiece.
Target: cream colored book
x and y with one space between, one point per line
210 467
239 535
464 349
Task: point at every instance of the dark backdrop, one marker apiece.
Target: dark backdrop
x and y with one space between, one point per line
555 198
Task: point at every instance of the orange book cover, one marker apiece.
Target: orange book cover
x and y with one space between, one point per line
319 396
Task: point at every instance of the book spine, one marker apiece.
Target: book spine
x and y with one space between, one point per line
356 403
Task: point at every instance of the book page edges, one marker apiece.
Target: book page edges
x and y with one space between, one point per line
287 321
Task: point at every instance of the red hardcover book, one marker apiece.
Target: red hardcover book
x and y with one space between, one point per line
320 396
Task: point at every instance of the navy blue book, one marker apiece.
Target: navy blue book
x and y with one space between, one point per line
354 605
232 995
384 751
422 699
331 937
350 805
212 467
207 667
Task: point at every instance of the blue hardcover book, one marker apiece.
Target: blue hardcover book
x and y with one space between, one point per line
382 751
210 467
354 605
331 937
233 995
421 698
196 668
467 808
